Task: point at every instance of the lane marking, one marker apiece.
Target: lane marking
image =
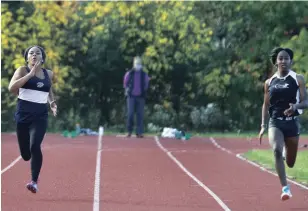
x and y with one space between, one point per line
179 164
11 165
98 171
19 158
253 163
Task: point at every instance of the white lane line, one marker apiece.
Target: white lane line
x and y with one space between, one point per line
19 158
98 171
11 165
253 163
218 200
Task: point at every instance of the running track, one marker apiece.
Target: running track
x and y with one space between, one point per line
142 174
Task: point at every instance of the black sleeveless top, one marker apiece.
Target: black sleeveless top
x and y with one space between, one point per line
32 99
283 91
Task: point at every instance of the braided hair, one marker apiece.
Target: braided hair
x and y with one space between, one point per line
41 49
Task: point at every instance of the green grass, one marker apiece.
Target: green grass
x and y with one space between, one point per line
194 134
108 132
253 134
235 135
266 158
226 134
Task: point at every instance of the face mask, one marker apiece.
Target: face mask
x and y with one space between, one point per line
138 66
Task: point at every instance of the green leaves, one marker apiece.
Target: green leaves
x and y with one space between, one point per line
299 44
196 53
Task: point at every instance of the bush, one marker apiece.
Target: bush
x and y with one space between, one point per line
162 116
303 121
153 128
209 118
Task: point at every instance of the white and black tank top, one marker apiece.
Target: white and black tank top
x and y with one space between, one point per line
282 91
33 98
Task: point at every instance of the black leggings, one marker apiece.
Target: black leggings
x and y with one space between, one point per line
30 137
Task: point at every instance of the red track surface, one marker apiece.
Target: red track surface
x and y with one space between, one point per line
137 175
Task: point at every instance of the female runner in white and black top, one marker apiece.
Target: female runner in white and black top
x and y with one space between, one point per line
33 85
284 98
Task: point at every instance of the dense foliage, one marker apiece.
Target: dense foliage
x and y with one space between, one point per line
207 60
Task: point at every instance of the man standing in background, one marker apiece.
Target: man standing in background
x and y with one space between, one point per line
136 83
